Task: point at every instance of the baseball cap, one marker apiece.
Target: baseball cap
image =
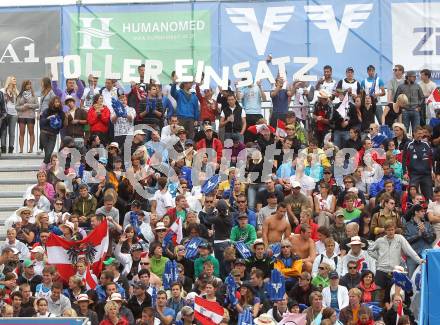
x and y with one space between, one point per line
204 245
349 69
139 132
296 184
411 73
136 247
243 215
15 251
109 261
333 275
68 97
189 142
135 203
115 297
28 263
239 261
339 213
139 285
37 249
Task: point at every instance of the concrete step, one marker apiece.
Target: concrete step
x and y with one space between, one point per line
22 156
15 186
11 194
16 201
6 176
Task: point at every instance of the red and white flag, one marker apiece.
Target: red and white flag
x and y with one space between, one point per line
281 129
434 97
258 128
90 280
175 233
64 253
208 312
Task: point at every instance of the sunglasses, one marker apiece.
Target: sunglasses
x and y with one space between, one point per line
352 267
241 201
58 203
145 263
397 69
285 246
161 230
321 268
327 172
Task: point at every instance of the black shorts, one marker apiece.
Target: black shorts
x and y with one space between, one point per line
26 120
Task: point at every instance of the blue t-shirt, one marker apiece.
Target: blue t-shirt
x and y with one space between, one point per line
251 99
334 302
280 102
366 84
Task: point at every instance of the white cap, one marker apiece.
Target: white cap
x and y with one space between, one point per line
296 184
69 225
160 225
38 249
115 297
138 132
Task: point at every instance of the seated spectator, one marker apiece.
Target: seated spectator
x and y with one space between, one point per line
316 307
358 255
306 219
321 280
338 228
350 314
288 264
329 256
352 278
370 291
388 213
335 295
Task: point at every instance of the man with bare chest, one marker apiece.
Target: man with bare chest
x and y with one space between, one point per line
276 225
304 246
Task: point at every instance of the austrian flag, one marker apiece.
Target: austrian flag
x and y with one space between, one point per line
64 253
208 312
175 233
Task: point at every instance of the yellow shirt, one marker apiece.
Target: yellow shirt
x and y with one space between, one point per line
225 185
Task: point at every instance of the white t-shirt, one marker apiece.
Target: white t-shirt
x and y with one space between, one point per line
87 97
164 201
122 126
434 207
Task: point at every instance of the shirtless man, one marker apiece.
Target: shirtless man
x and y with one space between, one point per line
304 246
276 225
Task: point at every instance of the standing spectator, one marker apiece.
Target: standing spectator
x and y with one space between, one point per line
398 79
419 233
327 83
368 112
417 163
10 93
375 87
251 97
428 87
76 121
89 92
98 118
123 125
349 84
233 118
321 116
393 111
434 213
27 103
414 93
75 92
343 124
112 89
389 250
280 102
187 109
46 94
52 120
208 106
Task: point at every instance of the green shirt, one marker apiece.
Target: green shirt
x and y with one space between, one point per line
320 282
181 215
157 265
247 234
350 215
198 265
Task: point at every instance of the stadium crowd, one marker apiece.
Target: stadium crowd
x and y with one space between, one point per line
217 216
